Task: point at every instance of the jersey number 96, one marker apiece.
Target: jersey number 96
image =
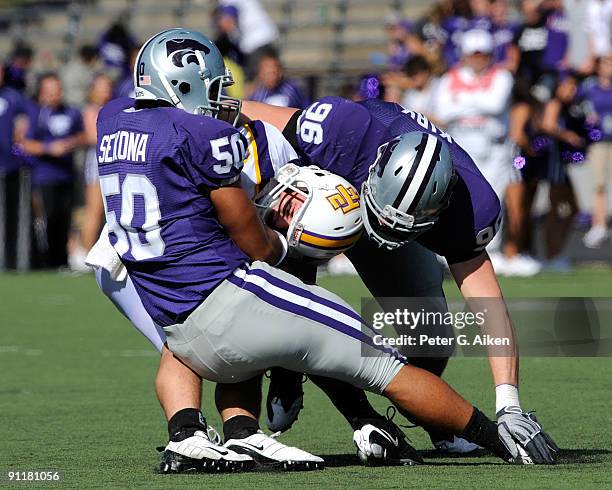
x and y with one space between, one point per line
311 130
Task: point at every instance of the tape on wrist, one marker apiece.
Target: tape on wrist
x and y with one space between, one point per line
506 395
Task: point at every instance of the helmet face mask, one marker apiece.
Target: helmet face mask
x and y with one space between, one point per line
221 106
284 182
186 70
320 228
389 227
414 167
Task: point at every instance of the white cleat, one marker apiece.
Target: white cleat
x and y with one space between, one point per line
595 237
521 266
199 454
498 261
267 451
456 446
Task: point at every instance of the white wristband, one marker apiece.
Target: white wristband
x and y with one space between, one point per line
506 395
283 241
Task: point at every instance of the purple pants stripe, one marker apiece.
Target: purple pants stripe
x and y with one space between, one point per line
304 293
308 313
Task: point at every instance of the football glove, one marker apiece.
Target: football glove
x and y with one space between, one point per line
524 437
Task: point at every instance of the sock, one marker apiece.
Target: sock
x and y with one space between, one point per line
483 431
239 427
351 402
185 423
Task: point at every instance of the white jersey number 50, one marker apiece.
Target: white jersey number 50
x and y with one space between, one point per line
127 235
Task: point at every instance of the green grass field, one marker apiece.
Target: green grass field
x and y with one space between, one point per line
76 395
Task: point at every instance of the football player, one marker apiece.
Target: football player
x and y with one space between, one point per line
422 194
323 233
192 444
199 256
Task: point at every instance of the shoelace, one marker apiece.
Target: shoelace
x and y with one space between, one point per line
390 418
268 374
213 435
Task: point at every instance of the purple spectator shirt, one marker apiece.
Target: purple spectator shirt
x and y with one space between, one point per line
287 94
11 105
15 77
454 28
600 102
114 49
157 167
343 137
48 125
558 40
503 36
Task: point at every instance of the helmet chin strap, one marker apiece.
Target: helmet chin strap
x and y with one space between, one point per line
201 61
205 79
173 97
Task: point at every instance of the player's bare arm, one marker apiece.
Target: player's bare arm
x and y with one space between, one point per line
239 217
476 279
277 116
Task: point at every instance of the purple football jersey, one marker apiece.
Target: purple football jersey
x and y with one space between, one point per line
48 125
343 137
124 87
157 167
11 105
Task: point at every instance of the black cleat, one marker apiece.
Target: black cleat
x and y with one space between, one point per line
285 399
382 443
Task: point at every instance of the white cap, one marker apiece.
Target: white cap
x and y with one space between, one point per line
476 41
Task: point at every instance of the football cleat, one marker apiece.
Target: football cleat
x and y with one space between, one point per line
285 399
381 443
272 454
456 445
199 454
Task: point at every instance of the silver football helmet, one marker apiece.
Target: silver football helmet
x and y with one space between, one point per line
407 188
185 69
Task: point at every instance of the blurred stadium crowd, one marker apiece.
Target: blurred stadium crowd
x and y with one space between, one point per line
524 86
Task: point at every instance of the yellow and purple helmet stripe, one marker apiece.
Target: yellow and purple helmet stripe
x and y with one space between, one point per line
329 243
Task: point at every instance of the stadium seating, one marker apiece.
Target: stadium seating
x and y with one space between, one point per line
332 37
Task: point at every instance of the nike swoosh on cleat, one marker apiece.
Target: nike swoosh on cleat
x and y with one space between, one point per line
221 452
388 436
259 448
